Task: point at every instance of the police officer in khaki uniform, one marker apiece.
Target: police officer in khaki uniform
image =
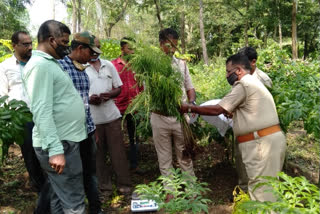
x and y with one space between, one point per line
262 144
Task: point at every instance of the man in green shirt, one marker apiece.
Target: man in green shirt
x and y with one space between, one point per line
59 118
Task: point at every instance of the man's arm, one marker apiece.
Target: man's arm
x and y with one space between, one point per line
4 83
191 95
39 85
110 95
213 110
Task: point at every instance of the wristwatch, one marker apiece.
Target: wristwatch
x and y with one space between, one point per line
193 103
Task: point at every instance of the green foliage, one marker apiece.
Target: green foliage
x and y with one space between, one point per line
296 88
239 197
187 192
294 196
13 116
14 17
162 83
110 49
5 50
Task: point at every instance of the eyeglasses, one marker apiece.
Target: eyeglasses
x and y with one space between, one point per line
230 71
93 53
26 44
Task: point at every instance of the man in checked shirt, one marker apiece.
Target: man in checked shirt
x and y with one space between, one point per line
83 49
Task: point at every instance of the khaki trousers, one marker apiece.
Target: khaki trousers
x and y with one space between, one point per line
263 157
164 130
110 140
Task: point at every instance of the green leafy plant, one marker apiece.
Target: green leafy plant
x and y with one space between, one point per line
110 49
187 192
13 117
294 196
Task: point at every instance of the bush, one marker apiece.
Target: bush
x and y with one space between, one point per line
187 192
294 196
13 117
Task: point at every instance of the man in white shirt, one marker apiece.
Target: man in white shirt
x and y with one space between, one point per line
11 85
105 84
252 55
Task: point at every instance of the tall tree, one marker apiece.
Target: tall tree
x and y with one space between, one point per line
203 39
294 30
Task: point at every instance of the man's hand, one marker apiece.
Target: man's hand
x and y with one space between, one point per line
105 96
57 162
184 108
95 99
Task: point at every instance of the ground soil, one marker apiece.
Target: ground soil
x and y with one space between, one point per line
17 195
211 166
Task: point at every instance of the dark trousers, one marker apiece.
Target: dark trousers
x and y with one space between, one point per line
133 139
110 140
90 181
36 174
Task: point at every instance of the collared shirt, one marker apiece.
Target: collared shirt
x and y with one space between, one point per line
181 66
263 77
252 106
57 107
102 82
129 89
81 82
10 79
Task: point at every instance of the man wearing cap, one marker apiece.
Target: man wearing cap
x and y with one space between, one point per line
262 144
59 118
105 84
82 50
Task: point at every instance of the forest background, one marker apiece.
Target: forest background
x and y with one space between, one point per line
286 34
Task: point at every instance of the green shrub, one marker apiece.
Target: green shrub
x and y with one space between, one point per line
110 49
13 117
294 196
187 192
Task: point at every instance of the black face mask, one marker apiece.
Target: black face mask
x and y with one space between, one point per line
62 51
232 78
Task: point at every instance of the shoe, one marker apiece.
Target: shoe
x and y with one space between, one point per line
169 197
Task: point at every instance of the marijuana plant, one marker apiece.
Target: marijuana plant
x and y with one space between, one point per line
186 190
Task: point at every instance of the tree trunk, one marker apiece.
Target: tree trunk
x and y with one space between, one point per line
79 15
279 24
203 39
53 9
294 30
182 32
74 16
158 13
100 22
246 25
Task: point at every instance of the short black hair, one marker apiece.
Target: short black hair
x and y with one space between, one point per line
51 28
126 40
75 44
15 36
239 59
167 33
250 52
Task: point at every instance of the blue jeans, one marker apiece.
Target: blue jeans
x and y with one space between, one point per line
90 181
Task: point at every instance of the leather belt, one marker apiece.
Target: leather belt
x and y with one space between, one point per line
260 133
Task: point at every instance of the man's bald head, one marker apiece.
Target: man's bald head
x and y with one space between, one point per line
51 28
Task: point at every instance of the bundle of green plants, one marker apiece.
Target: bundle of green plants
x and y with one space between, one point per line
13 117
186 190
162 88
294 196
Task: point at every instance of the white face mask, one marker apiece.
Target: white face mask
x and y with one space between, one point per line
96 59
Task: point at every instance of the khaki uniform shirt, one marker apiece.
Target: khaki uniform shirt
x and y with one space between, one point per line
252 106
263 77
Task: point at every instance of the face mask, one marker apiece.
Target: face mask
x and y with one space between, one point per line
232 78
62 51
96 59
